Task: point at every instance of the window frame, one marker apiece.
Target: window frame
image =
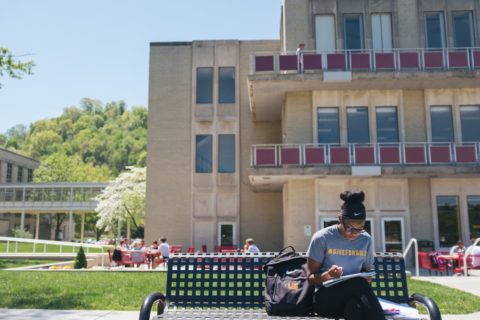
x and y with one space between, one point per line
9 172
19 174
198 88
362 31
384 243
460 217
367 126
397 123
196 153
380 14
30 175
219 232
338 124
451 119
472 27
442 28
234 153
234 85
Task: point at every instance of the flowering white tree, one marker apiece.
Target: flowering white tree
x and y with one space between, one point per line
124 198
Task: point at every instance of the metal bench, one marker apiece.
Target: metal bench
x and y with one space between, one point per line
230 286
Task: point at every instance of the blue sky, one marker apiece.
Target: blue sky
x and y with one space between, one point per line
100 49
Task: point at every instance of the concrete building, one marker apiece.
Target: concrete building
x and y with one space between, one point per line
246 141
15 167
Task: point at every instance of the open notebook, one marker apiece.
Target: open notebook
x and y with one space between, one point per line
350 276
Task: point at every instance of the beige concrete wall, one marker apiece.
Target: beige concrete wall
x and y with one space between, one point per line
415 116
169 144
420 209
299 198
261 214
297 126
407 20
297 25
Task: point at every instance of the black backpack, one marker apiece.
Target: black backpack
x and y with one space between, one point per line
287 292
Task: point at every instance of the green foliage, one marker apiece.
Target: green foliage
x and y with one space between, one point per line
100 140
80 260
12 143
15 233
12 67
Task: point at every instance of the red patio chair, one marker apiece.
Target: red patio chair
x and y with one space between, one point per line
204 248
424 262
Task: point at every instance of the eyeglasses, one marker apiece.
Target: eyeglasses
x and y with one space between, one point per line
352 230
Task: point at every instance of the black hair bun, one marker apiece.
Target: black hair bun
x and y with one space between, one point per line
352 196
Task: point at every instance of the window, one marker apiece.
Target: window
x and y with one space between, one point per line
328 125
204 85
434 30
387 124
9 172
20 174
474 216
226 233
204 154
449 229
226 85
353 31
382 31
442 124
325 35
226 153
463 29
30 175
357 125
19 194
393 235
470 118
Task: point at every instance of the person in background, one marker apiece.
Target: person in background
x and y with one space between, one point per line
60 236
154 245
127 246
458 249
142 242
163 252
137 257
250 247
300 57
117 253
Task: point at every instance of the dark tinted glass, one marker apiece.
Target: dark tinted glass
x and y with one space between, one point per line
226 153
442 125
357 125
226 85
204 154
353 31
448 221
474 216
434 30
462 29
328 127
226 231
470 117
387 124
204 85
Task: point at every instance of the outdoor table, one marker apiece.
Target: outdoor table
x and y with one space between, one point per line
449 258
151 255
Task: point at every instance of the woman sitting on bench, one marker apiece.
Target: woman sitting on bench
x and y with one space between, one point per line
344 249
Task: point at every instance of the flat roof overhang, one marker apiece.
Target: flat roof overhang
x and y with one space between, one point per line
267 91
273 179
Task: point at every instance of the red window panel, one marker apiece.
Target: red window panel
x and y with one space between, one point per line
476 58
415 155
264 63
360 60
288 62
314 156
465 154
440 154
336 61
265 157
364 155
385 60
433 59
390 155
312 62
458 59
409 60
339 155
290 156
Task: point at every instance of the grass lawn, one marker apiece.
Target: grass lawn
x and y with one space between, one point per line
17 263
28 248
126 291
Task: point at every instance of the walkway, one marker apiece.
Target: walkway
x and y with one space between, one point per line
470 284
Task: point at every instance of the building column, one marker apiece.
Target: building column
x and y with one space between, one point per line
83 227
128 228
22 223
37 227
70 226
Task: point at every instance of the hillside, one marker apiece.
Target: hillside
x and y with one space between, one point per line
103 138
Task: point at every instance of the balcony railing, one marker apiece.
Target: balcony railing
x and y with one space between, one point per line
366 60
365 154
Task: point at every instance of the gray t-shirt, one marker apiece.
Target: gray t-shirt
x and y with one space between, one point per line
330 248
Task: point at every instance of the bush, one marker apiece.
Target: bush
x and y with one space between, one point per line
80 260
15 233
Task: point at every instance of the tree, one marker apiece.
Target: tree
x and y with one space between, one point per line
80 260
18 132
125 198
53 221
13 68
12 143
3 139
15 233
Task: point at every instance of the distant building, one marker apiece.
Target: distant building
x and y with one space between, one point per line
242 143
15 167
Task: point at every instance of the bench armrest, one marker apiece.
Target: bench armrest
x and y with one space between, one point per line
147 305
428 303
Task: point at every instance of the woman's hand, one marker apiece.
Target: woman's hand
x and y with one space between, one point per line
369 279
335 272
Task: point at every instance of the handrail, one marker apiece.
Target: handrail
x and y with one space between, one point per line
45 242
466 254
413 240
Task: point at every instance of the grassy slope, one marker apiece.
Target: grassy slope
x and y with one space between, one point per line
16 263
